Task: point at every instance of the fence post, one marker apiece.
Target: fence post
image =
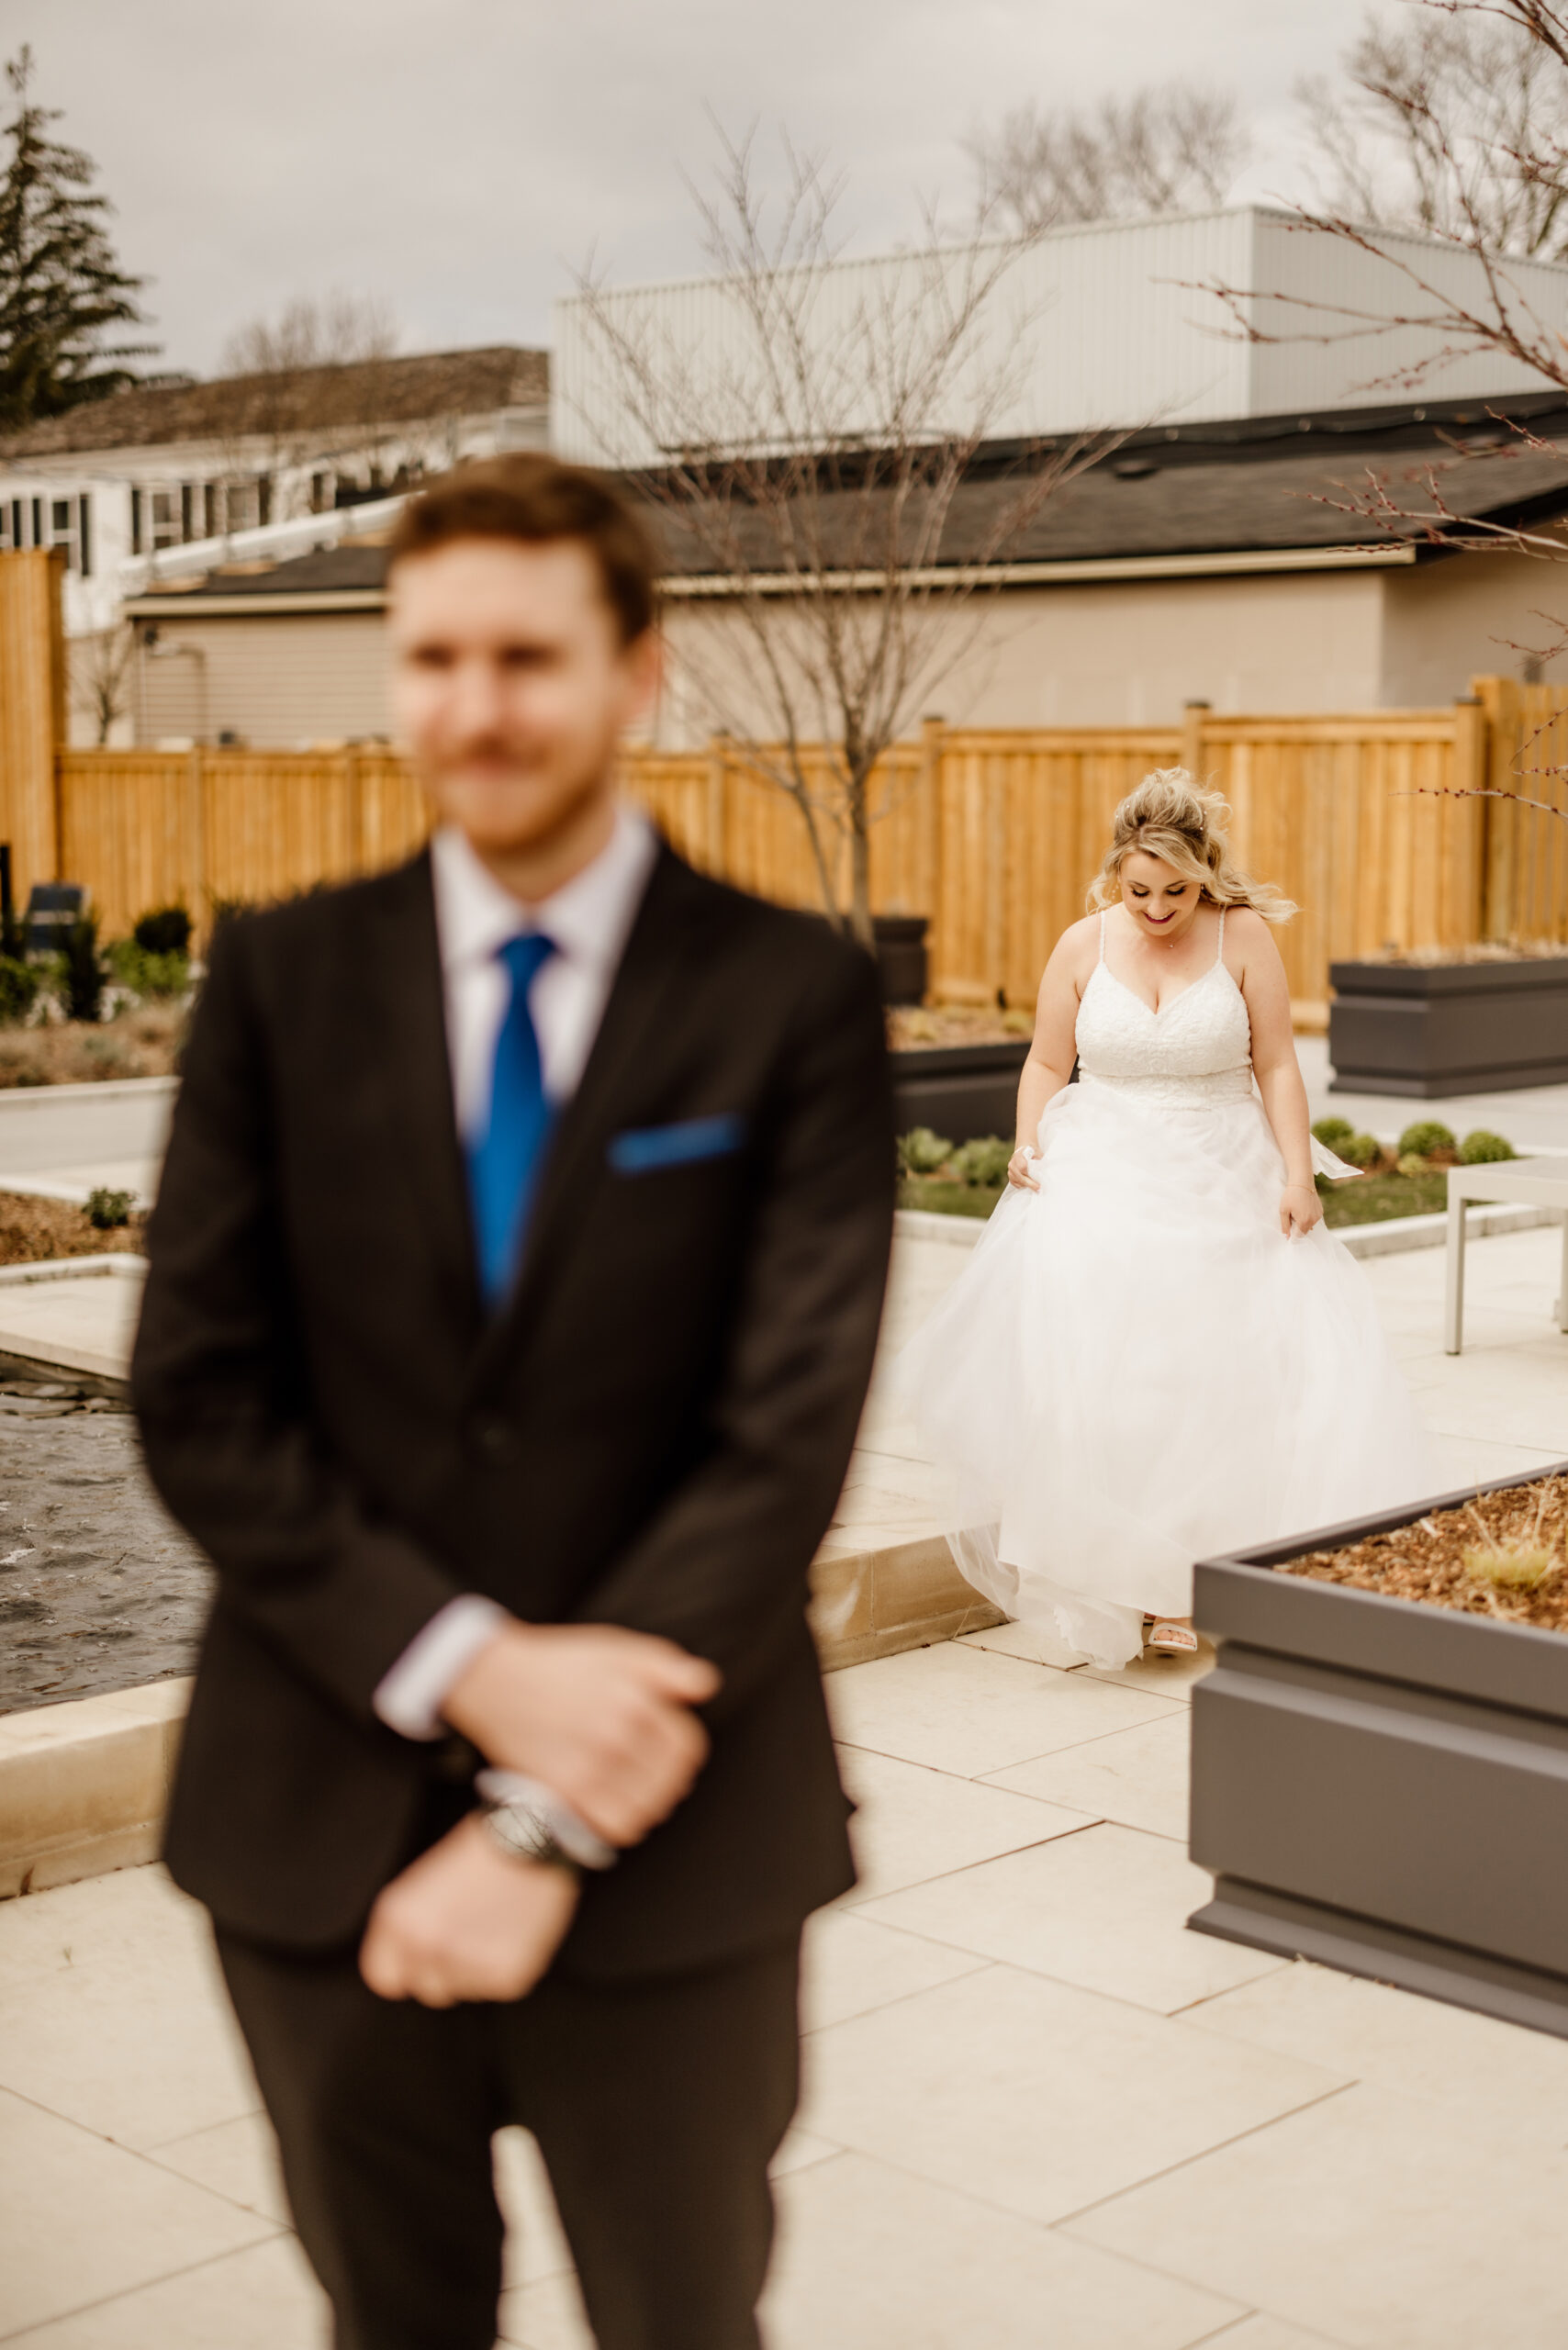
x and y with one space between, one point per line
1500 702
196 839
32 711
1193 716
928 817
1464 861
716 822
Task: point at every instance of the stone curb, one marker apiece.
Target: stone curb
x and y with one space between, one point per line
72 1269
84 1786
108 1088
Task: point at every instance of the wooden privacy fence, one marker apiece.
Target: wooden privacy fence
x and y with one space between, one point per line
200 828
993 836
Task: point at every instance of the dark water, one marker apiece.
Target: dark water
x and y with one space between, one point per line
99 1589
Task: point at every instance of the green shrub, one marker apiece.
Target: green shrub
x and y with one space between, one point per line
983 1162
19 985
83 972
106 1209
1424 1138
165 932
1410 1162
147 972
921 1152
1479 1148
1334 1133
1362 1150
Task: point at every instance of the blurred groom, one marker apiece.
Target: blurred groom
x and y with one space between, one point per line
514 1283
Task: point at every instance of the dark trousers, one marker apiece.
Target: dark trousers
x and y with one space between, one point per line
658 2106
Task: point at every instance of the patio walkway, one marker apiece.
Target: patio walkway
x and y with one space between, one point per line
1037 2112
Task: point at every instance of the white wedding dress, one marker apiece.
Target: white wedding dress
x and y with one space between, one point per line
1136 1368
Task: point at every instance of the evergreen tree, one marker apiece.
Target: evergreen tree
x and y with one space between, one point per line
62 292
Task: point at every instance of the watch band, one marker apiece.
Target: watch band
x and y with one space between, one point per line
574 1837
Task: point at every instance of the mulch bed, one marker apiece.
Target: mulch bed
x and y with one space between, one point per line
143 1043
910 1025
34 1231
1504 1555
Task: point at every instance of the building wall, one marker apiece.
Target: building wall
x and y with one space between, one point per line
286 682
1115 653
1122 653
1104 324
1470 616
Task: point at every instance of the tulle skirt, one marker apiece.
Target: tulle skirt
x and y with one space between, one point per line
1136 1369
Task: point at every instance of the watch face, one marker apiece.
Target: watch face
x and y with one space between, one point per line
521 1833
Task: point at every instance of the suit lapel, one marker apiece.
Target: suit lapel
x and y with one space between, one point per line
409 1008
667 932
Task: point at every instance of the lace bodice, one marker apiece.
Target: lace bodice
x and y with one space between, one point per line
1194 1052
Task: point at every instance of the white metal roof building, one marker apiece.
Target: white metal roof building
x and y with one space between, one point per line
1103 326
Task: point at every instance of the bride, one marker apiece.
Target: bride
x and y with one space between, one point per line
1158 1352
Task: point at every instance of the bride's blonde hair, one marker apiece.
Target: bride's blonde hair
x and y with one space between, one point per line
1170 816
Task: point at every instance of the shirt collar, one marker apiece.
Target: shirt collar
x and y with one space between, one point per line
588 917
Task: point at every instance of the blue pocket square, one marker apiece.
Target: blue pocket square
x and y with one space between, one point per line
645 1149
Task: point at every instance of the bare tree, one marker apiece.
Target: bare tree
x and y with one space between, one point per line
1472 98
340 331
299 385
1453 124
100 673
810 458
1167 148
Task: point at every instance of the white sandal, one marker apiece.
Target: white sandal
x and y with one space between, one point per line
1172 1639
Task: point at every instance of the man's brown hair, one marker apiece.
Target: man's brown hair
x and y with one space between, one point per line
538 501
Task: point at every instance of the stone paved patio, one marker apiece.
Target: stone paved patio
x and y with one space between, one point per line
1037 2111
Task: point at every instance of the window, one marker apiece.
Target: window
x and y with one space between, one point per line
165 512
84 535
64 530
137 525
241 506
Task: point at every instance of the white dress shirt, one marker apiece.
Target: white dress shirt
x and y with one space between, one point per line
589 920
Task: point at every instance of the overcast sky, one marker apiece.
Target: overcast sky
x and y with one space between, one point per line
455 158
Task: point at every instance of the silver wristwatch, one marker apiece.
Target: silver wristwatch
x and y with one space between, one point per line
521 1831
531 1823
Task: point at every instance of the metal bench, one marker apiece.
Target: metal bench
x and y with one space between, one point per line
1531 1182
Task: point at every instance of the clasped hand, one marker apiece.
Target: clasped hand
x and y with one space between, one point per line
1300 1209
600 1715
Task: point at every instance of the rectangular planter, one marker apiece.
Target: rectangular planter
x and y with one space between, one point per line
1432 1030
960 1090
1383 1786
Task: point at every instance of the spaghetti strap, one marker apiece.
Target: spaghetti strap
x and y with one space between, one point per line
1219 951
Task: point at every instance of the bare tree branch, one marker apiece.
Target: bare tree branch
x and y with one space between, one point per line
807 457
1167 148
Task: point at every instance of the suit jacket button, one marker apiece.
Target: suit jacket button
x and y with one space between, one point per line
494 1437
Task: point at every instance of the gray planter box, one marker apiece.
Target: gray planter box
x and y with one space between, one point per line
901 957
1383 1786
960 1090
1430 1031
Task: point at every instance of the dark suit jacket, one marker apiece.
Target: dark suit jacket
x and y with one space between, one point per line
652 1432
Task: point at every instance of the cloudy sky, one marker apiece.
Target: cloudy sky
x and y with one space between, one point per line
457 159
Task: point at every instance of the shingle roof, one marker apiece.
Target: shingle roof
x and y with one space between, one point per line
379 391
1212 490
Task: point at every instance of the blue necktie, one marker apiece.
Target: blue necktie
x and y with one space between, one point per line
503 1165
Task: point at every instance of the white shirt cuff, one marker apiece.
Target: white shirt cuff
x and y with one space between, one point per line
408 1698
